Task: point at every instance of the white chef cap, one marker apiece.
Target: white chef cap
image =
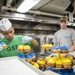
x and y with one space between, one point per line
5 24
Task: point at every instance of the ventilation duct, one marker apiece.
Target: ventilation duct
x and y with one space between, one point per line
32 12
44 13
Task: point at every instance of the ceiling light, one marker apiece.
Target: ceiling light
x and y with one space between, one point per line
27 5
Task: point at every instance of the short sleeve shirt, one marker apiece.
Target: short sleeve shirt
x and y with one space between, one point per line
12 46
64 37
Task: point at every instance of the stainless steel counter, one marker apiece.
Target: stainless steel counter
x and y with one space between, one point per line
16 66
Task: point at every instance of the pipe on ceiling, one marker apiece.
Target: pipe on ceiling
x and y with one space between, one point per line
32 12
44 13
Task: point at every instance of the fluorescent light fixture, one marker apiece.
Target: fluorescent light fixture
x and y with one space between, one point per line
27 5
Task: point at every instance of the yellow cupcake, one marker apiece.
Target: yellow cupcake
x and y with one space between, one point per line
32 63
59 64
43 46
67 63
48 46
36 65
20 48
27 48
47 58
63 59
41 62
59 56
54 58
70 58
41 58
51 63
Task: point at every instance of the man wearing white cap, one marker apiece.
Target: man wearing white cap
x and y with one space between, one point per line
11 40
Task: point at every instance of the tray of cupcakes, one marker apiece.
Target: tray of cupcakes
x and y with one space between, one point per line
59 62
55 62
30 57
55 49
59 58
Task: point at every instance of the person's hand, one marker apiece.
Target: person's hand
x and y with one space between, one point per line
70 50
1 47
72 53
25 39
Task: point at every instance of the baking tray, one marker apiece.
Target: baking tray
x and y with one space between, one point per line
17 66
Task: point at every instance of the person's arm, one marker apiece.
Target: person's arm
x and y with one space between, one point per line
73 40
73 47
34 42
25 39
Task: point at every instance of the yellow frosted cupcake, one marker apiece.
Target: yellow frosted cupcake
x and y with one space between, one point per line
43 46
48 46
27 48
47 58
59 64
67 63
51 63
41 62
20 48
70 58
36 65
